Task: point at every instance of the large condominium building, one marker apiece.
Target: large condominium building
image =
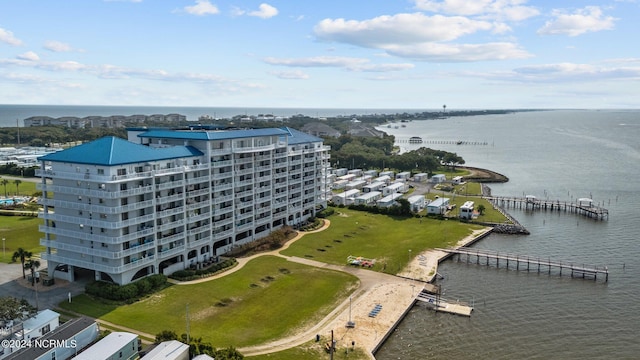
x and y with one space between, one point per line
166 199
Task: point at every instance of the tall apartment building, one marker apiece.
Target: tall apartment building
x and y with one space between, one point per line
167 199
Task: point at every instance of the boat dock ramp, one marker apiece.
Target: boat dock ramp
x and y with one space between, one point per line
444 305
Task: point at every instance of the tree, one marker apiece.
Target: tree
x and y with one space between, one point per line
165 335
17 182
481 209
4 182
23 255
14 309
32 265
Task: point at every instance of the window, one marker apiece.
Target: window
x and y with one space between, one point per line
122 172
45 329
100 171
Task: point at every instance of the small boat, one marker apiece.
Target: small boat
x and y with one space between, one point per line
459 142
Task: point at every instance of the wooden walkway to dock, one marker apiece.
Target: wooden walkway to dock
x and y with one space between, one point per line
443 305
584 208
532 263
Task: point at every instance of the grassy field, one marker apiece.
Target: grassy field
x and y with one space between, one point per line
384 238
25 188
20 231
248 307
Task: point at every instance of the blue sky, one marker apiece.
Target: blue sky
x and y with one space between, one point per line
417 54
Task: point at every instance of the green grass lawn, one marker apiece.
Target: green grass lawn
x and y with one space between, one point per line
265 300
384 238
25 188
20 231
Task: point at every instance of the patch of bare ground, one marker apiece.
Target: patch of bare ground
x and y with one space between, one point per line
484 175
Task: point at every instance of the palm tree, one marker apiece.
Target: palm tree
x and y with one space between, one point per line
4 182
32 265
17 182
23 255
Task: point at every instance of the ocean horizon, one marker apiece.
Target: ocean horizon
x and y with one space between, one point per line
12 115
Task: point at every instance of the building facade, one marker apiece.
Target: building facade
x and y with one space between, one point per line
166 200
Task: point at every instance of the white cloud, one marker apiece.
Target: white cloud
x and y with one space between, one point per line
201 8
417 36
584 20
57 46
558 73
265 11
507 10
7 37
348 63
29 56
398 29
289 75
438 52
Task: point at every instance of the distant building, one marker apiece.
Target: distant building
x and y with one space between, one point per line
421 177
416 202
466 210
389 200
320 130
438 206
345 198
438 178
369 198
403 175
114 121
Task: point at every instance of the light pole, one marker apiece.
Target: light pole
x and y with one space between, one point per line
4 249
350 323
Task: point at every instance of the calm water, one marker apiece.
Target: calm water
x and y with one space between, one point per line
518 315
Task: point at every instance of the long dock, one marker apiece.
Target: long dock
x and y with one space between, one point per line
532 263
582 207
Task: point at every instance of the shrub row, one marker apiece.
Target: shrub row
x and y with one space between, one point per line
129 292
188 274
325 213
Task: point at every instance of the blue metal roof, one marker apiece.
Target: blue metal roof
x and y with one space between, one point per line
299 137
211 135
109 151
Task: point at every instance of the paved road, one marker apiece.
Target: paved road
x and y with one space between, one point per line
12 284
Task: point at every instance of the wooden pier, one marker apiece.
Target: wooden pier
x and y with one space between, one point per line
582 207
532 263
443 305
415 141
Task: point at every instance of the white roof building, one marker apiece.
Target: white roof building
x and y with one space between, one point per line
168 350
115 346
